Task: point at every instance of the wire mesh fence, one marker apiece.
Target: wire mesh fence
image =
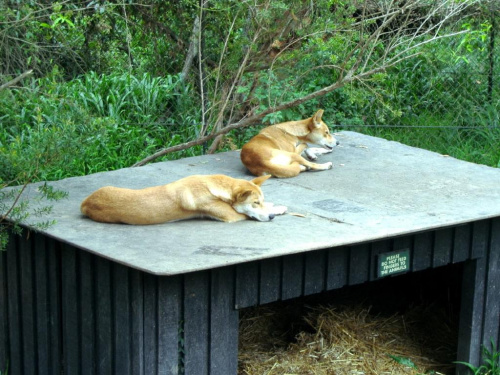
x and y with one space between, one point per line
107 76
448 99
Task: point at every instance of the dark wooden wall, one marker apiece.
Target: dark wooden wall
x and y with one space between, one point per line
313 272
63 310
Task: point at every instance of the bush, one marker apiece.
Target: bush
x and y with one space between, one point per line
56 129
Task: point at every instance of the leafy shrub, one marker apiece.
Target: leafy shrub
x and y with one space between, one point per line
56 129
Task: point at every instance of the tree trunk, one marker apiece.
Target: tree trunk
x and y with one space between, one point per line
193 48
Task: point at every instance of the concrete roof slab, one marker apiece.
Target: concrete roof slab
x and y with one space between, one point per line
377 189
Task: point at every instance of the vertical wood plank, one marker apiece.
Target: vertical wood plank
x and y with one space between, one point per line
121 319
4 316
292 276
480 236
87 327
55 323
422 251
247 285
170 349
402 243
13 293
196 323
471 313
27 305
337 268
315 272
270 280
224 324
103 314
137 317
359 264
461 243
492 300
443 245
42 303
151 324
70 311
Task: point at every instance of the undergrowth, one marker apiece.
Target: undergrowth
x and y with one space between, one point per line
491 362
55 129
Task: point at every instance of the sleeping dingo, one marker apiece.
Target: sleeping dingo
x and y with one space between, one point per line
217 196
277 149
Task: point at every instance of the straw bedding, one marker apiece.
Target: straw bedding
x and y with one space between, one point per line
347 336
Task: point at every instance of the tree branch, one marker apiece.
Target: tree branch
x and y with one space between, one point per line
16 80
245 121
397 31
11 208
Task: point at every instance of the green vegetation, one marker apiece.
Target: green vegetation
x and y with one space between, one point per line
101 101
18 210
55 129
408 363
115 83
491 362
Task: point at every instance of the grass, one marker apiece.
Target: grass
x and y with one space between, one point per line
491 359
56 129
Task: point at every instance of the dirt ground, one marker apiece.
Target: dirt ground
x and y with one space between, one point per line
401 325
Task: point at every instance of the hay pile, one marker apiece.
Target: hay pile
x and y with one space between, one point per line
342 339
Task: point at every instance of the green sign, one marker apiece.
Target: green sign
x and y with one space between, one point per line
394 262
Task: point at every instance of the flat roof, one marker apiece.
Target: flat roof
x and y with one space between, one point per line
377 189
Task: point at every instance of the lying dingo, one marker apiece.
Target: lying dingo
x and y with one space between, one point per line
277 149
217 196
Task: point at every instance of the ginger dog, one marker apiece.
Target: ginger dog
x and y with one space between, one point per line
216 196
277 149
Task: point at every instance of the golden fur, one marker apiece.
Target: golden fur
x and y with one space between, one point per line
214 196
277 149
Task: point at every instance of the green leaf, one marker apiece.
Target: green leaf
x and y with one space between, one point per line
403 361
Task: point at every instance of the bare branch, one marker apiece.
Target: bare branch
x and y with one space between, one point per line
16 80
244 122
383 38
11 208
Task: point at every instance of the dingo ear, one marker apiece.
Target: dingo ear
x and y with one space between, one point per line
260 180
241 195
317 117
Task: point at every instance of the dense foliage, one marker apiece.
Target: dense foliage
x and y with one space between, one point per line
110 83
115 81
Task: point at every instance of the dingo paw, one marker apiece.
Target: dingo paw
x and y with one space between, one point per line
321 150
328 165
310 154
279 210
276 210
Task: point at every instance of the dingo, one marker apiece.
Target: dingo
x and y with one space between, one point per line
277 149
218 197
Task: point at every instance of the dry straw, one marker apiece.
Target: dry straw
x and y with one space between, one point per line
346 340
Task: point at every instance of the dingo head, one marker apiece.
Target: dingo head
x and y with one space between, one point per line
249 200
319 133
